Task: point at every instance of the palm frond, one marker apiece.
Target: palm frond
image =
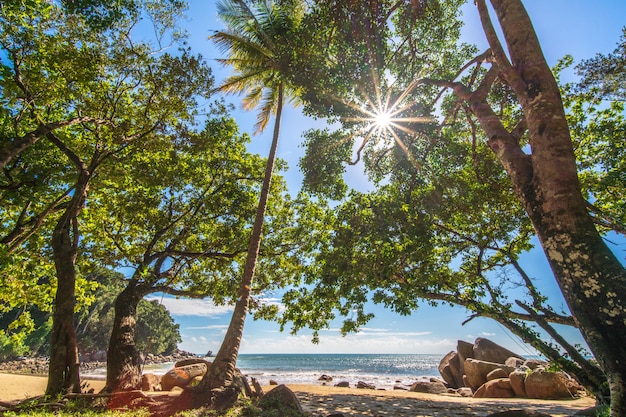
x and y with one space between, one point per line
237 45
254 29
269 102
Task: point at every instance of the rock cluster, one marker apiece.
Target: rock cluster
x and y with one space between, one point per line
88 361
491 371
185 373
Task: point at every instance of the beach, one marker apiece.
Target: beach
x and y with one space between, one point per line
321 401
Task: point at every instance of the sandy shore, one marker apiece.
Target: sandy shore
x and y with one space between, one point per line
321 401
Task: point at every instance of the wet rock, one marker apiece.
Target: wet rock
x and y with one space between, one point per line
365 385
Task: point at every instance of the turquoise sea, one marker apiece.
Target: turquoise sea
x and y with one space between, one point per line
384 371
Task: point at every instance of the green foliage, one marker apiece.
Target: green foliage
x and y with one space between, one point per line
254 43
604 76
324 163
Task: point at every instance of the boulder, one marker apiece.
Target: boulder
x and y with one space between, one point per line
446 371
325 378
476 371
431 387
182 376
517 378
497 374
465 392
281 398
544 385
496 388
273 382
535 363
464 350
99 356
192 361
488 351
150 382
343 384
365 385
514 362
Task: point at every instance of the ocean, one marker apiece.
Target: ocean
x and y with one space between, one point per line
383 371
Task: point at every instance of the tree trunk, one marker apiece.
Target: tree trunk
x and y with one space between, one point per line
591 278
63 371
123 359
222 370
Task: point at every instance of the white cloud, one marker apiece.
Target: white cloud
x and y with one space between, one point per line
193 307
376 342
209 327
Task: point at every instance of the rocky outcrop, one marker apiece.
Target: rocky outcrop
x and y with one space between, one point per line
476 371
492 371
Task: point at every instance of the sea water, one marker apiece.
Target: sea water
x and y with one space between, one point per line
383 371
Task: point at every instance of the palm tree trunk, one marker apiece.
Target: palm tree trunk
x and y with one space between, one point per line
222 370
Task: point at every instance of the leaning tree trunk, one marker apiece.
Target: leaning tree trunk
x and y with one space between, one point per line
63 370
591 278
222 370
123 358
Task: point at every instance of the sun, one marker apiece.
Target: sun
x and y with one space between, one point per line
383 119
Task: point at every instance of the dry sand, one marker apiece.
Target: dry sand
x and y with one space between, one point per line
321 401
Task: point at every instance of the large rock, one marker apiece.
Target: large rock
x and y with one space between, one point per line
181 376
464 350
540 384
488 351
497 374
518 378
476 371
150 382
281 398
431 387
191 361
496 388
446 371
365 385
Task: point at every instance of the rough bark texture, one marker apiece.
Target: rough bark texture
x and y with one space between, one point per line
63 372
222 371
123 359
591 278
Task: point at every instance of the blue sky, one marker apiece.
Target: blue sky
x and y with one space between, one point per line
581 28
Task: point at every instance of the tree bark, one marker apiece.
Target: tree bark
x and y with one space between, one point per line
63 370
591 278
123 359
222 370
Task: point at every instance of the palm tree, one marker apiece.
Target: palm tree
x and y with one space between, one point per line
253 40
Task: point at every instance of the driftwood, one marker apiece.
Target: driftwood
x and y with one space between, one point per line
258 390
